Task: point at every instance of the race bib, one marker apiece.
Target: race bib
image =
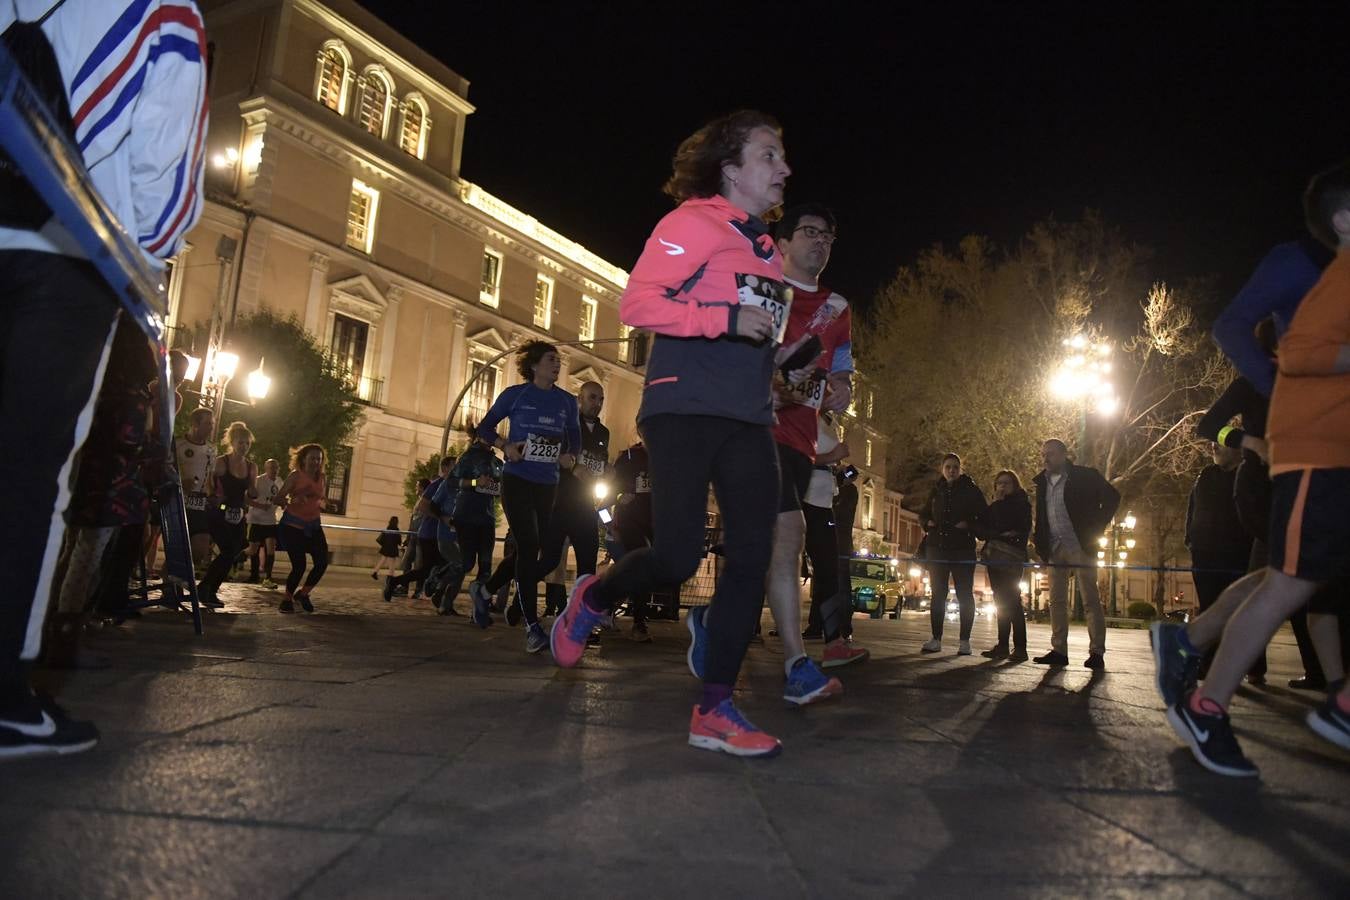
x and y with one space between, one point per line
196 502
543 449
773 297
234 516
487 486
592 463
810 392
642 484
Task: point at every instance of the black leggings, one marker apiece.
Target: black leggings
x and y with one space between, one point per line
297 544
428 558
963 579
635 534
829 605
527 505
475 547
573 519
1005 581
686 453
230 539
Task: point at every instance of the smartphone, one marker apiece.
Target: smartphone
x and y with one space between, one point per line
605 516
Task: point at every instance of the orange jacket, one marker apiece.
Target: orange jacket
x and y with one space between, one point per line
1310 409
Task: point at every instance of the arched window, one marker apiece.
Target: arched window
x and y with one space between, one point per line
412 136
376 92
332 76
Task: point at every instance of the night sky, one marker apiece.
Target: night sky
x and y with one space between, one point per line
1194 130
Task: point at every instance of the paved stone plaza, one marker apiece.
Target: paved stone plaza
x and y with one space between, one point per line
376 750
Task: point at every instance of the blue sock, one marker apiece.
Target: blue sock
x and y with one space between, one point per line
713 695
1187 647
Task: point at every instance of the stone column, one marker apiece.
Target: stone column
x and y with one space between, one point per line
459 354
318 272
388 331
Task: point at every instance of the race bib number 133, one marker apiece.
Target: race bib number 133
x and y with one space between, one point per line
773 297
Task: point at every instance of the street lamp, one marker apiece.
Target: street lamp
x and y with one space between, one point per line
258 384
1119 538
1083 377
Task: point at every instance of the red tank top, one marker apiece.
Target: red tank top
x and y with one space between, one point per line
307 497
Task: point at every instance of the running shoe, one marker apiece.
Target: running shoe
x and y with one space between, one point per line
1329 722
268 584
1176 670
286 605
1211 740
535 639
963 648
303 597
639 634
573 628
38 727
931 646
697 656
388 594
840 652
807 684
725 730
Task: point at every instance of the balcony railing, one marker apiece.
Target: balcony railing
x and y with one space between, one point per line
370 391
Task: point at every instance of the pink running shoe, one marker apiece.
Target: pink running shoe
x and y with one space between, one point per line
571 629
840 652
723 728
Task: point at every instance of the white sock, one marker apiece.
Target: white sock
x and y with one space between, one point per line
787 666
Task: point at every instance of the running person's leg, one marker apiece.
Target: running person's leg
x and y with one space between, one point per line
296 546
527 505
318 548
789 537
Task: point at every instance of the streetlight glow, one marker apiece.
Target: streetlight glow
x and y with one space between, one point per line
226 364
194 365
915 571
1130 521
601 490
258 383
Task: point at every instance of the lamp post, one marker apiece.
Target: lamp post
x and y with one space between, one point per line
1118 541
220 370
1082 377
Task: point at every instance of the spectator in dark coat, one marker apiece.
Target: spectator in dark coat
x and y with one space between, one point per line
1006 528
951 517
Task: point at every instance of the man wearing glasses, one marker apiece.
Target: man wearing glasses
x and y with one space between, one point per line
816 377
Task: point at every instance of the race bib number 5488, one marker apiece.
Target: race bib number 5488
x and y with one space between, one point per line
810 392
773 297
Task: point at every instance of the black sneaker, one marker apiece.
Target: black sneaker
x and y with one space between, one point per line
1176 670
388 588
286 605
536 639
303 597
41 728
1094 662
998 651
1052 658
1211 740
1329 722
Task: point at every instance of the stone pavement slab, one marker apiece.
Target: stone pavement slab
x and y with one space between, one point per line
379 750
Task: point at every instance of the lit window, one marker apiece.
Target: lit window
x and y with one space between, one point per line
361 211
625 331
867 511
375 101
490 291
543 302
331 76
867 405
412 135
483 390
867 453
586 321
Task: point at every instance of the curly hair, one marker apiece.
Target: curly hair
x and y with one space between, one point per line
529 357
236 431
298 455
696 170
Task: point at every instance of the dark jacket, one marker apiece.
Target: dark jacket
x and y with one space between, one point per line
961 501
1251 489
1011 514
389 542
1090 500
1212 524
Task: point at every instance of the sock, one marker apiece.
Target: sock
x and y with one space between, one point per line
1184 639
792 663
713 695
1205 706
594 599
1343 703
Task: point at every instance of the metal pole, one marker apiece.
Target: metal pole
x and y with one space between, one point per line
484 366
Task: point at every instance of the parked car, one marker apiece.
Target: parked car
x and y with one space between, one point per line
876 585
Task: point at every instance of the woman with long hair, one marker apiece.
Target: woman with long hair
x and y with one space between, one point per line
233 479
390 540
545 433
709 285
951 519
1006 528
300 533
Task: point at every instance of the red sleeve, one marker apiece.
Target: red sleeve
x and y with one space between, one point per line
656 299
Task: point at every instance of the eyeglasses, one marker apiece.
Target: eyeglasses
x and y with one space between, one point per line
812 233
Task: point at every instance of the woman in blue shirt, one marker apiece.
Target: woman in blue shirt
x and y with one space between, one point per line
544 434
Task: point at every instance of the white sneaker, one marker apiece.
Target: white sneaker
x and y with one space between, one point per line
964 649
933 646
